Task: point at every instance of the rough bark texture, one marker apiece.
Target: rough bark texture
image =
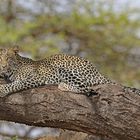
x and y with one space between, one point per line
111 113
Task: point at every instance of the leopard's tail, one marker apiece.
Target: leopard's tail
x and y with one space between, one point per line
131 90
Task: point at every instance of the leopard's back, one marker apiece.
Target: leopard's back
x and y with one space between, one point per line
75 70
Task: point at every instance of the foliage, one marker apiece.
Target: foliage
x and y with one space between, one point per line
98 30
14 138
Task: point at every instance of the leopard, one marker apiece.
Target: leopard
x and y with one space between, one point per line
70 73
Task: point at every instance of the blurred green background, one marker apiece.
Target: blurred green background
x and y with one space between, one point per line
107 32
104 31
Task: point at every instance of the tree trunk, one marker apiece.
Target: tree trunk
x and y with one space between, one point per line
111 113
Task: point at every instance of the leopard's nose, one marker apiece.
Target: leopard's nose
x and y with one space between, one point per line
4 67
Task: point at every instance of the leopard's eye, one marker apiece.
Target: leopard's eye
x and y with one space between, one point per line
9 59
1 50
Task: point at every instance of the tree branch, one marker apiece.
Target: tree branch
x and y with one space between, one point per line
111 113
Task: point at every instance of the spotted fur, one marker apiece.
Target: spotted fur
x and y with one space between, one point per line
70 73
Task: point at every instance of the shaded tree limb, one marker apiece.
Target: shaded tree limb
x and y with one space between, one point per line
111 113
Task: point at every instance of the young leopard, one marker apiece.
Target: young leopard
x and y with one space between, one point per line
70 73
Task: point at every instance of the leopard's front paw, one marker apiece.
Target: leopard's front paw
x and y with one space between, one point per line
2 93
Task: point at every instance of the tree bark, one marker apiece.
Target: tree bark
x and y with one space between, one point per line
112 113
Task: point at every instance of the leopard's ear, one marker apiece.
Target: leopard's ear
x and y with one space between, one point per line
15 49
1 49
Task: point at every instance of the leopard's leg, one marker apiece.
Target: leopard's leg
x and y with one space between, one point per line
19 85
80 90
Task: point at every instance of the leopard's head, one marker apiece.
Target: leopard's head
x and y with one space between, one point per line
7 59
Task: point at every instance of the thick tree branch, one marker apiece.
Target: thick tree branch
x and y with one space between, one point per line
111 113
